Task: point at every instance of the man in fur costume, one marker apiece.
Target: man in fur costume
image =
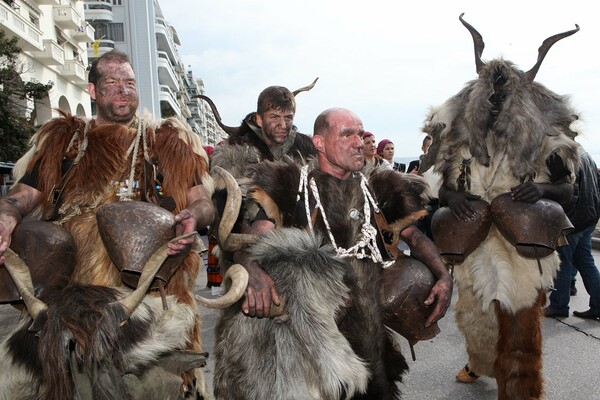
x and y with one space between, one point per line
267 134
335 200
504 141
75 166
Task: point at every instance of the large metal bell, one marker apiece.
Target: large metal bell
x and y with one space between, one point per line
404 287
132 231
535 229
457 239
49 252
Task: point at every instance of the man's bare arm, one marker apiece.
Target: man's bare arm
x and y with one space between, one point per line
18 203
424 250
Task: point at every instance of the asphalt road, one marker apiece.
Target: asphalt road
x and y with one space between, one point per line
571 349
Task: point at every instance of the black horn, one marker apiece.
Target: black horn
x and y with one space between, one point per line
543 50
477 43
232 131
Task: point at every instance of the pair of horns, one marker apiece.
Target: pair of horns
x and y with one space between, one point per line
233 131
542 51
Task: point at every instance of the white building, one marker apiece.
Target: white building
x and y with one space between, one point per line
53 36
138 28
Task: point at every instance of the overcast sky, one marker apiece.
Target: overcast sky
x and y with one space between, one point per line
388 61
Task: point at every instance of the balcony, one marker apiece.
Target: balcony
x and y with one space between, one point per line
166 74
84 33
168 102
52 54
29 36
164 38
95 11
48 2
74 71
66 16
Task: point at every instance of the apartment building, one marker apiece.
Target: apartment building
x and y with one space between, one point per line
139 28
53 36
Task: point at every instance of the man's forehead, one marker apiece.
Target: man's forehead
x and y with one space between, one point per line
279 111
116 68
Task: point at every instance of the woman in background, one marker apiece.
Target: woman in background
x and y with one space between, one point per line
372 160
385 150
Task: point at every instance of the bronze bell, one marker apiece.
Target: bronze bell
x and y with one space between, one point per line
457 239
49 252
404 287
535 229
132 231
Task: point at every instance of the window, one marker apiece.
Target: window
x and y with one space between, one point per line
60 39
117 2
116 32
101 31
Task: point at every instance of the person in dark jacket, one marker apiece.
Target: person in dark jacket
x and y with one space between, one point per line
583 212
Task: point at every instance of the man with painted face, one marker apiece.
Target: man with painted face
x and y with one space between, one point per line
270 130
75 166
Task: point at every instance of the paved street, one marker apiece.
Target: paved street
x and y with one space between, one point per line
571 356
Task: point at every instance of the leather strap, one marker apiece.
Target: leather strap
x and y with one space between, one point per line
385 232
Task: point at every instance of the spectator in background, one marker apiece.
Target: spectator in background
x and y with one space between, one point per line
414 165
385 150
584 212
372 160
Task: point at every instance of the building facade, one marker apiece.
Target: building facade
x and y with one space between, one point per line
53 36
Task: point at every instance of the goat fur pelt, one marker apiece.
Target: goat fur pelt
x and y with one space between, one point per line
34 360
302 355
275 188
502 130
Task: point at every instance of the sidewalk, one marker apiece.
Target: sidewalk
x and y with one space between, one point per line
571 356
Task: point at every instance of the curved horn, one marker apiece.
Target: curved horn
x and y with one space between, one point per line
228 129
227 240
543 50
19 272
232 204
477 43
132 300
238 276
305 88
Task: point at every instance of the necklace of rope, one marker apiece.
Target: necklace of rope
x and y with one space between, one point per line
368 237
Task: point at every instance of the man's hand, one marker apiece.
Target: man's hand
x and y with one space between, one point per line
4 243
260 293
185 222
198 214
439 296
460 204
529 192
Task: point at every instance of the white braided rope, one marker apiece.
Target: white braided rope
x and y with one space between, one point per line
368 236
133 151
303 188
